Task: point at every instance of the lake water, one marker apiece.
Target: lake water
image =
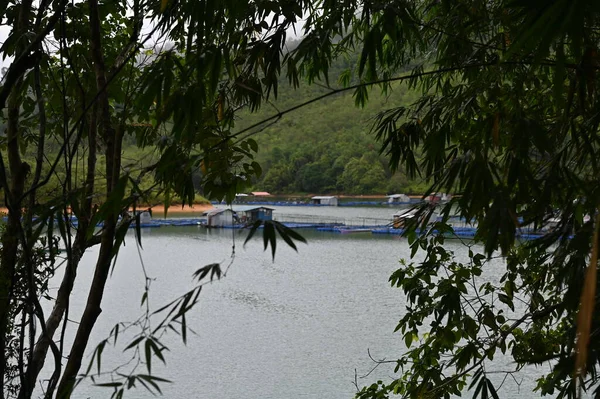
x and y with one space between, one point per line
299 327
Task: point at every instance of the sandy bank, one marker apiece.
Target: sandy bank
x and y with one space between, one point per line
158 210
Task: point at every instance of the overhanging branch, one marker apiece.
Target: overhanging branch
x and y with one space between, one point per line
401 78
27 59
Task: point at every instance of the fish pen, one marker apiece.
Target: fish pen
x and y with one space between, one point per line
323 220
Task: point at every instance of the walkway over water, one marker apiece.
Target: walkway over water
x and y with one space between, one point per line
332 220
334 224
340 225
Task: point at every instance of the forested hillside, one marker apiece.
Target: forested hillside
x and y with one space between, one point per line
327 147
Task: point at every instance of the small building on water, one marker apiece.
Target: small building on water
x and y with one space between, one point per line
221 217
241 197
324 200
250 214
398 199
237 216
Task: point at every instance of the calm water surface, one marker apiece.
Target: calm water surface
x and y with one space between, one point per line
298 327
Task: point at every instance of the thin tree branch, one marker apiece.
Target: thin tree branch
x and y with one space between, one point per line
28 58
401 78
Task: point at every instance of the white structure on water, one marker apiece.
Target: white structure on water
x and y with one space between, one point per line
252 213
145 217
237 216
220 217
398 199
325 200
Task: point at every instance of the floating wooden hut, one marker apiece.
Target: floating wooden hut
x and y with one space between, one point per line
250 213
237 216
324 200
221 217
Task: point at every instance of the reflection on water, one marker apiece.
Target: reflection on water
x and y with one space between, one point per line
296 327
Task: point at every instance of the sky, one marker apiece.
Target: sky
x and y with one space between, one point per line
4 31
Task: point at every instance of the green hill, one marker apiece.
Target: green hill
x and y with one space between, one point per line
327 147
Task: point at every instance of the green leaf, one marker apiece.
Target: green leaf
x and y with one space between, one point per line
253 144
214 269
99 350
408 338
109 384
133 343
138 228
506 300
288 235
481 388
183 329
115 332
152 380
148 352
492 389
253 229
157 351
269 237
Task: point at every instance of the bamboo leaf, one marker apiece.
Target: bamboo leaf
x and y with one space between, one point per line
255 227
134 343
148 352
269 237
138 228
100 349
157 351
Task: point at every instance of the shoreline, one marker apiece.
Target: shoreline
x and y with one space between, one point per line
196 208
159 209
200 208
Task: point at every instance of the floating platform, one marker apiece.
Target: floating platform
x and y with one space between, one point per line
296 203
351 230
465 232
343 229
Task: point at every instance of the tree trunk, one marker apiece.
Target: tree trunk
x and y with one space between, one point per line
10 240
13 191
112 141
79 246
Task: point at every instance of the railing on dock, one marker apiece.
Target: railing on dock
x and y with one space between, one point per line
332 220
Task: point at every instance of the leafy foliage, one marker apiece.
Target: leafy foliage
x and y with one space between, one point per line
270 237
326 146
507 120
82 87
506 117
